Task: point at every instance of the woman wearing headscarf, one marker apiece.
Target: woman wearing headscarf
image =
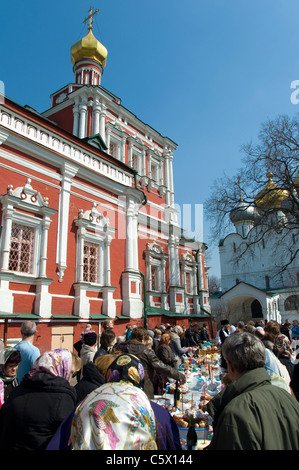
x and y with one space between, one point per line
118 415
35 409
10 359
167 433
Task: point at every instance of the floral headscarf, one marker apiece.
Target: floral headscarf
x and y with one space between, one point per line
118 415
58 362
128 368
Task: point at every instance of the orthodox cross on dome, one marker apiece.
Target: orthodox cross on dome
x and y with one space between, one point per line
90 18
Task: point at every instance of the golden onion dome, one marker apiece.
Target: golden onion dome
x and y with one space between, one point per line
89 48
271 195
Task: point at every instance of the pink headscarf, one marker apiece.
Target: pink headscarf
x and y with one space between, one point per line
58 362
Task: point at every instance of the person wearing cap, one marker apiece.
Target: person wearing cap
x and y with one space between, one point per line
89 347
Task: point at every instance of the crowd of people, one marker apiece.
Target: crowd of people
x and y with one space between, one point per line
102 396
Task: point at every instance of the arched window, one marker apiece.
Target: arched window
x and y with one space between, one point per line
292 303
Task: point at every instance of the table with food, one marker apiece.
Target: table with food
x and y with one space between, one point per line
185 402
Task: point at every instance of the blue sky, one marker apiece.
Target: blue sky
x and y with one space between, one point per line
204 73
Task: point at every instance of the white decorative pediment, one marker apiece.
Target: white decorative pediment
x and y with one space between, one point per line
94 217
154 247
28 194
188 258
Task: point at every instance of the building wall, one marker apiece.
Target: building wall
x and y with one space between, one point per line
79 189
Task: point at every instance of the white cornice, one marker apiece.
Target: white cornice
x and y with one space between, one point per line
43 143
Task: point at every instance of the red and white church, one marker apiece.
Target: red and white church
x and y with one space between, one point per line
89 227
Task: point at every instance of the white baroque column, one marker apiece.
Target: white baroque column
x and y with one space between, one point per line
82 119
7 210
102 122
108 132
109 304
131 278
96 117
123 149
68 172
107 243
171 181
132 235
130 152
166 178
76 120
44 245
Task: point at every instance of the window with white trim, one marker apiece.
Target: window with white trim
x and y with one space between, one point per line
26 219
189 277
155 267
93 248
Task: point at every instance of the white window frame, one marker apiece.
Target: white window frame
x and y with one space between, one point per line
24 206
93 228
188 265
154 257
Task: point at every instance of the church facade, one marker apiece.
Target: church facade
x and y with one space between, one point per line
89 226
259 265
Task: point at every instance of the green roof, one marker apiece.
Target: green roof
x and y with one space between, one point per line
169 313
96 139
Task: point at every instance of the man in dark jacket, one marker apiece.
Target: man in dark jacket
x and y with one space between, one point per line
189 338
135 345
250 413
204 334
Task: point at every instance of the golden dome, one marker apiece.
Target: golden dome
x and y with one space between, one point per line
89 47
271 195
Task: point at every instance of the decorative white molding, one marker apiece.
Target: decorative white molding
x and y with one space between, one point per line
58 144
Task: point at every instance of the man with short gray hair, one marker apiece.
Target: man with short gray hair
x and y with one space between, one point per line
250 413
29 352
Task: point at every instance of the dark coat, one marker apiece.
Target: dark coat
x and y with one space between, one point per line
253 414
34 411
101 352
204 335
166 355
150 363
189 338
92 379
